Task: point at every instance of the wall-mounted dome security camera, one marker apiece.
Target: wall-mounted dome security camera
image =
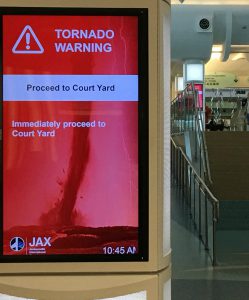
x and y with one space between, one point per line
204 24
181 1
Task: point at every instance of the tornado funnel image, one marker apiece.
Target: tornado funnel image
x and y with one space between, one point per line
76 169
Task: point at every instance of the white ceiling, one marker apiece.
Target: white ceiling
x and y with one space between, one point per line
240 66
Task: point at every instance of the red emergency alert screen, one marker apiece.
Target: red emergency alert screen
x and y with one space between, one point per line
74 135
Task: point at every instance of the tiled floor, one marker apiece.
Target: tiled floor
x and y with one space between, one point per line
209 289
193 277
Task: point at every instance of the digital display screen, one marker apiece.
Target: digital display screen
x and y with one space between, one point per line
74 135
199 89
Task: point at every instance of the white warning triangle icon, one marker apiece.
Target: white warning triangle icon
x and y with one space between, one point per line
27 43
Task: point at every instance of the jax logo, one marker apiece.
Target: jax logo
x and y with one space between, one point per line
17 244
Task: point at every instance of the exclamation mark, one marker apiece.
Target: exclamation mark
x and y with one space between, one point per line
27 40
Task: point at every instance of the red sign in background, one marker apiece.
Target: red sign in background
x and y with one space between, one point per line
79 186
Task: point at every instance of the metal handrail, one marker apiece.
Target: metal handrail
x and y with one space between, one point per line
200 131
214 199
183 170
221 97
187 112
181 109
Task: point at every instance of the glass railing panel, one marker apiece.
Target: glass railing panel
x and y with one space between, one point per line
195 198
203 221
210 229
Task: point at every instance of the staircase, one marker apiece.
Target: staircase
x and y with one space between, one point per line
221 161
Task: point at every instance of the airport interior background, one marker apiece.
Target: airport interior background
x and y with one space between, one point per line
209 133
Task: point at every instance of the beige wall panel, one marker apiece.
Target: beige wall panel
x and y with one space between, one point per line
84 287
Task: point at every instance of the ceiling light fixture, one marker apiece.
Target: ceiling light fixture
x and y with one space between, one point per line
216 52
217 48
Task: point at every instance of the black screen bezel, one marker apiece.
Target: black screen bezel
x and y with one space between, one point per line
143 136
